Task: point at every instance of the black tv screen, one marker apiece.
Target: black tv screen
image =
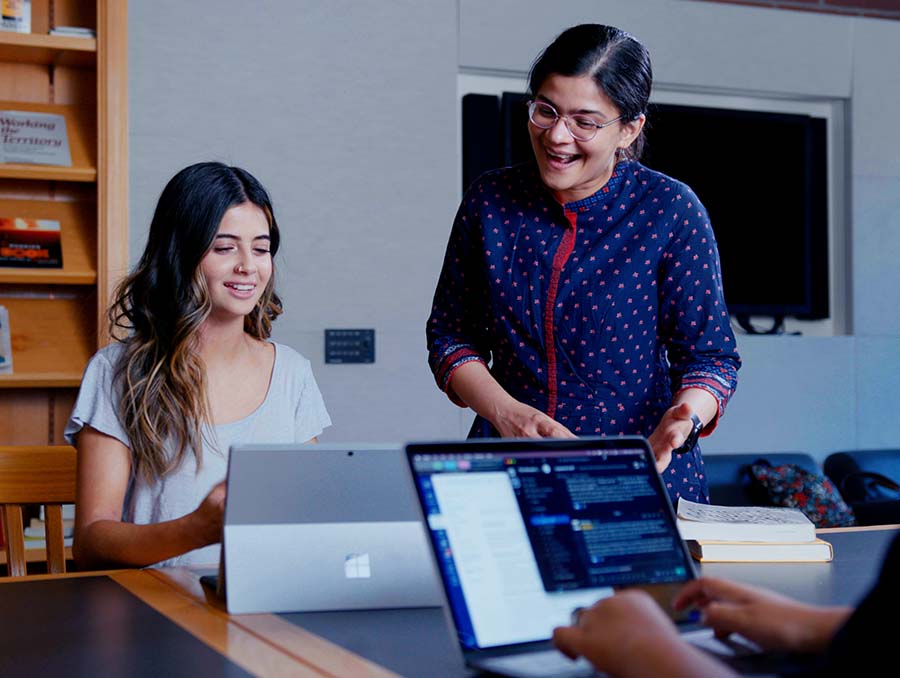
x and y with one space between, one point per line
762 176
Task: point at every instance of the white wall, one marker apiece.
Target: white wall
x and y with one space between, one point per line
345 110
366 208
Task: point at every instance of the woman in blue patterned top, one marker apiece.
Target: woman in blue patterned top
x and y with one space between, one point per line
590 283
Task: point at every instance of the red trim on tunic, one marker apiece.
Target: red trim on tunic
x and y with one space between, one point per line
448 377
559 260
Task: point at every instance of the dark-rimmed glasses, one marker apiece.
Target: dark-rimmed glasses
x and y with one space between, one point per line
581 127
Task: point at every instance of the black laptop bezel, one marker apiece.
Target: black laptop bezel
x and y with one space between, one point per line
551 445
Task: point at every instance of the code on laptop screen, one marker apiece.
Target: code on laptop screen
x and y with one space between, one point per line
596 521
524 538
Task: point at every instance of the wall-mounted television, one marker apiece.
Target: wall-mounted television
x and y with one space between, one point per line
761 175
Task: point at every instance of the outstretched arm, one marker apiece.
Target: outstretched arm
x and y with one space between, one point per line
102 539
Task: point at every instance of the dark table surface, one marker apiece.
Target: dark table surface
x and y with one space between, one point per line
419 642
844 581
92 626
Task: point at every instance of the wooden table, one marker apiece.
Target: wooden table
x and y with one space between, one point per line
193 623
260 644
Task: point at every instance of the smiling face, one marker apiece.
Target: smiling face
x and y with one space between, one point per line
574 169
238 265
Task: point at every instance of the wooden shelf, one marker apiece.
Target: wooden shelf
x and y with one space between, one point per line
52 340
48 50
78 237
12 170
58 316
81 129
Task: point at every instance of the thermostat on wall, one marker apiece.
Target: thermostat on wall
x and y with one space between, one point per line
349 346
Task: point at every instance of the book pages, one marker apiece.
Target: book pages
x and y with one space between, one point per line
757 515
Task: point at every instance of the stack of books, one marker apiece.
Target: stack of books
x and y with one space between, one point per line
36 530
750 534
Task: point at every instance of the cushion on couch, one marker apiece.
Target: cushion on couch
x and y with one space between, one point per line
868 481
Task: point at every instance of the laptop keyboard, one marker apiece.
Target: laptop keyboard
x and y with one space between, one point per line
538 665
553 663
733 646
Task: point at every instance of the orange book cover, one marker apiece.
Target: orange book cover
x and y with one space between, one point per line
30 243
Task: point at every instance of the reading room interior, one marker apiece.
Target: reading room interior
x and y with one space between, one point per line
326 350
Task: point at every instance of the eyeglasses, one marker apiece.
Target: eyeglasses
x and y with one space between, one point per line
581 127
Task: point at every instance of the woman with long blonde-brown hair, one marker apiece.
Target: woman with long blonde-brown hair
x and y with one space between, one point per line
194 373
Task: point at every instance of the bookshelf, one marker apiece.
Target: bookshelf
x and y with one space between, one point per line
57 315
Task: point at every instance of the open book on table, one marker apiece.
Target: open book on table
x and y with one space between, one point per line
743 523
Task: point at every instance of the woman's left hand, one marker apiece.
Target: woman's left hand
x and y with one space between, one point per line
670 434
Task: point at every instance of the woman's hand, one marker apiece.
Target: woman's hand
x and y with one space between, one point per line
478 389
772 621
208 519
518 420
670 434
629 634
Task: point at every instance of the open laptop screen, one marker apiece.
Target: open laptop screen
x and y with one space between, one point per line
525 531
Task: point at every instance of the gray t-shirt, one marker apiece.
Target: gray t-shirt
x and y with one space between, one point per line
293 411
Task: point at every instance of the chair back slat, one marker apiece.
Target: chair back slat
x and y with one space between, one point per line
55 538
36 475
15 540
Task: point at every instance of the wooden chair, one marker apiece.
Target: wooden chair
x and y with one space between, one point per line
35 475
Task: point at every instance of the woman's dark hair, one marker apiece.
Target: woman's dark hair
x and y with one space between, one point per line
614 59
161 306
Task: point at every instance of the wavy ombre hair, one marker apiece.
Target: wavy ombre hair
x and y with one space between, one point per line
159 308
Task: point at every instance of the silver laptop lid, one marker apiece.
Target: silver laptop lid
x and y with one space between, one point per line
525 531
323 527
319 483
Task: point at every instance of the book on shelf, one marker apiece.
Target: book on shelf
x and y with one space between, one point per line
30 243
37 529
16 16
706 522
6 359
41 543
34 138
73 31
814 551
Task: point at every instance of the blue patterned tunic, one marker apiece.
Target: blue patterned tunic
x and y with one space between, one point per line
595 311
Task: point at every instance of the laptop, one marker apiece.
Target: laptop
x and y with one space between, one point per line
524 532
323 527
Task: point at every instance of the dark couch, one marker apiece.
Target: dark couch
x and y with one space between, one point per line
872 502
727 480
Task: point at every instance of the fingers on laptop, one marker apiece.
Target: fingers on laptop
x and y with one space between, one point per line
765 617
604 630
701 592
